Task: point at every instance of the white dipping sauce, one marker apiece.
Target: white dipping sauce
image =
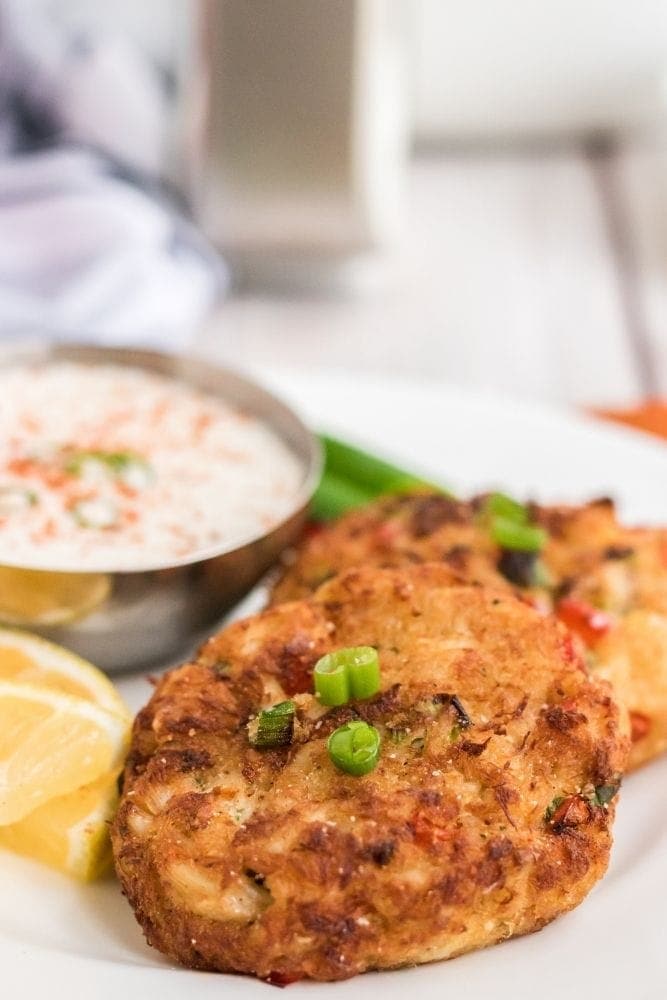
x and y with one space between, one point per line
112 468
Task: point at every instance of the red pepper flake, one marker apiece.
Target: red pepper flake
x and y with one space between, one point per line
48 530
125 490
77 495
640 726
570 651
387 534
589 623
281 979
571 812
22 466
55 478
201 424
29 423
427 833
312 528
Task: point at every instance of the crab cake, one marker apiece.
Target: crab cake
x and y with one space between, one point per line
607 583
487 815
393 531
610 588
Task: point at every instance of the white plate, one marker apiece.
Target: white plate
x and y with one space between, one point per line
61 940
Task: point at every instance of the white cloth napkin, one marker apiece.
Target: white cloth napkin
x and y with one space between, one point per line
90 247
85 254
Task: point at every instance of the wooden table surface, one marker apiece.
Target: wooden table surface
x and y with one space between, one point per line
542 274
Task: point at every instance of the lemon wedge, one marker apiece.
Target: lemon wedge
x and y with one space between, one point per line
38 597
70 833
64 732
30 660
52 744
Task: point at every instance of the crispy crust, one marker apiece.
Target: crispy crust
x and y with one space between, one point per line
393 531
275 863
590 557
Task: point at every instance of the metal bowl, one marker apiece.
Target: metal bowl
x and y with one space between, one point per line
154 614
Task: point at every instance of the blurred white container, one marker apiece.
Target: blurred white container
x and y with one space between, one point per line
300 134
517 68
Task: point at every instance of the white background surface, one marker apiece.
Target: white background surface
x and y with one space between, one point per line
540 273
59 940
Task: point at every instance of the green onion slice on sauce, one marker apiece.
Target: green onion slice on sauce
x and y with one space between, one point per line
130 468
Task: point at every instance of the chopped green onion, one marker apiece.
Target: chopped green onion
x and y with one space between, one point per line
518 537
508 522
332 680
353 477
370 473
500 505
125 465
353 672
363 670
274 727
335 496
355 747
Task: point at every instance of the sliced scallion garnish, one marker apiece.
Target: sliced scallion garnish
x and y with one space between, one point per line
127 466
355 747
332 680
363 670
353 477
335 496
273 727
372 474
509 525
518 537
500 505
353 672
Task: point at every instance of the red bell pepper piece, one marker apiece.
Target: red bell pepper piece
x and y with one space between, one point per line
589 623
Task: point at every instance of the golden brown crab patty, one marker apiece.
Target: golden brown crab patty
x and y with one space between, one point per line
392 531
608 583
611 589
482 819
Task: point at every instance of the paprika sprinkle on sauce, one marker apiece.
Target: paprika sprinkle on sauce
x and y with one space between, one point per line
115 468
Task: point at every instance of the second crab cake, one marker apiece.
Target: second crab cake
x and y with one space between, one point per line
606 582
466 798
